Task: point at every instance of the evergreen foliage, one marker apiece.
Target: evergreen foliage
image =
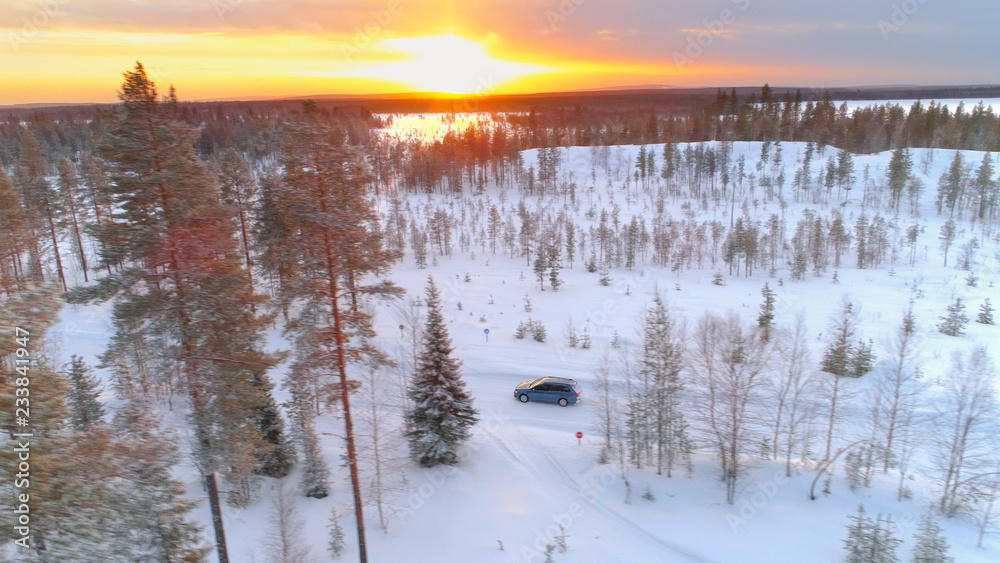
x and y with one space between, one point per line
442 412
953 324
85 410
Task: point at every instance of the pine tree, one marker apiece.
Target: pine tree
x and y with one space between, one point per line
540 265
985 186
442 413
859 540
323 194
102 495
182 281
662 362
898 172
985 313
85 409
953 324
238 189
837 361
554 280
335 544
862 359
152 497
932 546
40 197
68 188
572 338
838 355
315 471
16 238
273 238
947 237
765 320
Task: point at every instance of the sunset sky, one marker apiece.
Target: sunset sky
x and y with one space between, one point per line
76 50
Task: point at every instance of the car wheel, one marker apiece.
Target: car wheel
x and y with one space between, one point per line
563 402
523 398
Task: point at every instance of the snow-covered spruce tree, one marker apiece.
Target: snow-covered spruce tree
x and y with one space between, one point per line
885 543
953 324
335 542
149 494
182 279
870 541
947 237
539 266
932 546
585 342
572 338
315 471
442 411
862 360
898 172
837 362
85 409
765 320
661 364
986 313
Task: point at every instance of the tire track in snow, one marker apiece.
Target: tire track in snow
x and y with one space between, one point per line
614 520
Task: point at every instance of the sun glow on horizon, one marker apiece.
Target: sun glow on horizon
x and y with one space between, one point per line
447 64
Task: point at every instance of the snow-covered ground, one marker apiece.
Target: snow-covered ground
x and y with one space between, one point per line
524 474
950 103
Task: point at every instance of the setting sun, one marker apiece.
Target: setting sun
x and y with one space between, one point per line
440 63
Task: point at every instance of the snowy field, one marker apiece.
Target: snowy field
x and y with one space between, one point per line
950 103
524 474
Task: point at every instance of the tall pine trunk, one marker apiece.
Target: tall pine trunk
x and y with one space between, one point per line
352 456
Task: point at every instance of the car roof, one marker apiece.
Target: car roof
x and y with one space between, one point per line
560 380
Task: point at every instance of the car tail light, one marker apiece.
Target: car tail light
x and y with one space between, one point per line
577 394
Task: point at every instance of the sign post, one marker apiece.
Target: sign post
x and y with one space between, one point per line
401 327
486 331
579 437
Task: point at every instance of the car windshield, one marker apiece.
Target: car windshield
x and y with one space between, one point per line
535 382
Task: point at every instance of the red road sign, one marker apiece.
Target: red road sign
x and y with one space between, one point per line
579 435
